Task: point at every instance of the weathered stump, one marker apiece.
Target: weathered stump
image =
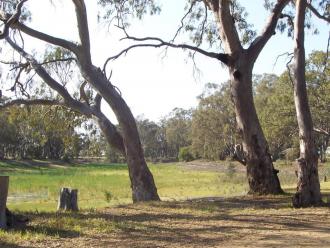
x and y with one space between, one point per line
4 184
68 200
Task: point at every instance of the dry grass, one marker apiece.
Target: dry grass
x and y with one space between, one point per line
209 222
244 221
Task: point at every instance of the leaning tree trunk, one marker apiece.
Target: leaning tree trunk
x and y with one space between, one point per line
142 181
4 184
308 188
262 176
111 134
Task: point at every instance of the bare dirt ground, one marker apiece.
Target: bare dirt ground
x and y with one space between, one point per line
209 222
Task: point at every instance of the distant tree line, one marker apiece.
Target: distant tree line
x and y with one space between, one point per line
208 132
44 132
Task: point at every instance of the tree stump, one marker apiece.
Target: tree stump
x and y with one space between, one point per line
68 200
4 184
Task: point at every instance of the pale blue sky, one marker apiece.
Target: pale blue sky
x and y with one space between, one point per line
153 85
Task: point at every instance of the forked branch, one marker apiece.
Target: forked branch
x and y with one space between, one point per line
11 20
260 41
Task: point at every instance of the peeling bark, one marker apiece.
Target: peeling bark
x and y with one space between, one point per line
261 174
308 186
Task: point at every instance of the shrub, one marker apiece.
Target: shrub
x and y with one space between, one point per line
185 154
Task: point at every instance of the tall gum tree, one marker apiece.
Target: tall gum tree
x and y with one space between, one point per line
261 174
142 182
308 186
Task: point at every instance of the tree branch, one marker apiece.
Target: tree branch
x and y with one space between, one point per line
50 81
321 131
290 18
83 30
47 38
227 30
318 14
14 18
97 100
269 30
183 18
83 95
113 136
224 58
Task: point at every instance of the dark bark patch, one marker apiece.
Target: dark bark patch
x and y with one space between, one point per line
224 58
258 149
16 220
237 75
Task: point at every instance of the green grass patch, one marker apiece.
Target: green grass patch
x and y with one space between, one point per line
35 185
36 188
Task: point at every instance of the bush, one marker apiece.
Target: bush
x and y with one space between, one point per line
185 154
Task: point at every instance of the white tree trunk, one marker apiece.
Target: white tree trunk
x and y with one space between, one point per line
308 186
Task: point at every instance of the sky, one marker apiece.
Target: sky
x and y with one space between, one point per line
152 84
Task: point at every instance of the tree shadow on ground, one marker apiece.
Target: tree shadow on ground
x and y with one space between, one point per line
32 165
8 245
202 222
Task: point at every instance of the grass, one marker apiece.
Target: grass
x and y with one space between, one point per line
222 222
35 185
35 188
107 219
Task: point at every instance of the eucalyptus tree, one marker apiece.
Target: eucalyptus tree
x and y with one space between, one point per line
177 130
274 100
151 138
41 132
127 140
213 123
275 107
318 85
223 24
308 187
